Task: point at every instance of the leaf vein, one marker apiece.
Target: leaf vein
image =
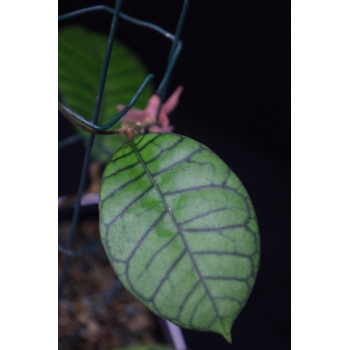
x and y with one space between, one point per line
179 229
121 187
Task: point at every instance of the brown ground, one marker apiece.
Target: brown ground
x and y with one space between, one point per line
96 311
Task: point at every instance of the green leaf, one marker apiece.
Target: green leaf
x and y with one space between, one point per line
81 54
180 231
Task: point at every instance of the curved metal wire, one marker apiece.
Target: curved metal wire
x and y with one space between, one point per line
177 45
122 15
88 150
86 249
161 90
115 119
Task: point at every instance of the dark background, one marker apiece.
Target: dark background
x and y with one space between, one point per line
235 67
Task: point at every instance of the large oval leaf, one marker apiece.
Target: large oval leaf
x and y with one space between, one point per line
81 55
180 231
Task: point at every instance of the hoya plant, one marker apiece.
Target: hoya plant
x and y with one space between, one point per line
176 223
179 230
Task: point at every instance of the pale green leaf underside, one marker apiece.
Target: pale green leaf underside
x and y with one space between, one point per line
180 231
81 54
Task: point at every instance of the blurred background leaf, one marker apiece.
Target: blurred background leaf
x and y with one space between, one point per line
81 54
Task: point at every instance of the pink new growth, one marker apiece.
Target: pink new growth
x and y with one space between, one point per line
148 115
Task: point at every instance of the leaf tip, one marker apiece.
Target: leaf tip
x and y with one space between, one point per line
225 329
227 336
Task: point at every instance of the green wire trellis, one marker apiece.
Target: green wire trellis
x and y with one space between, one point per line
161 91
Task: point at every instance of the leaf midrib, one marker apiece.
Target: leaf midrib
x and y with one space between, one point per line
178 226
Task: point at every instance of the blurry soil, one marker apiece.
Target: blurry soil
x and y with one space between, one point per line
96 312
